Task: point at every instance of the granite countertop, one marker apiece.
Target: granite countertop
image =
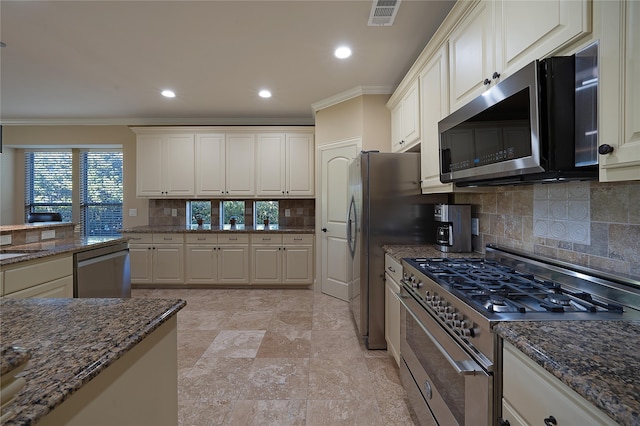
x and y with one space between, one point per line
225 228
399 252
70 342
31 226
58 246
600 360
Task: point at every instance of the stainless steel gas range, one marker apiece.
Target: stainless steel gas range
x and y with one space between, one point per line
451 358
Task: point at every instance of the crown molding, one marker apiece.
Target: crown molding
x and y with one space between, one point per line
124 121
350 94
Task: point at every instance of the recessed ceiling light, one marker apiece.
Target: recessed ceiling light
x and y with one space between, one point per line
264 94
168 93
342 52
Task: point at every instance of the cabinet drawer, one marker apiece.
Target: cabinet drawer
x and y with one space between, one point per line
234 238
393 268
168 238
266 239
298 239
201 239
139 238
37 273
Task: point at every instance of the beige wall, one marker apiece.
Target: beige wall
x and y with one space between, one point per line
69 137
365 117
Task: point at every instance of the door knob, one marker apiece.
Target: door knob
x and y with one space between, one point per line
324 229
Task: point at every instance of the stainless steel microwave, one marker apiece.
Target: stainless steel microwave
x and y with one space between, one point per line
537 125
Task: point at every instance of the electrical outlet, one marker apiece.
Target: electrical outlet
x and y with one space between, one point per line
47 235
475 226
133 212
5 239
287 212
174 212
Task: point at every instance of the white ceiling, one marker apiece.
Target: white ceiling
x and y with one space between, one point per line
107 61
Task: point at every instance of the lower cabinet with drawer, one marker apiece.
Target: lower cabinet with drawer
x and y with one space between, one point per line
50 277
533 396
217 259
282 259
156 258
392 277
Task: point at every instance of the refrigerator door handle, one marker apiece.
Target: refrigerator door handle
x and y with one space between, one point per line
351 224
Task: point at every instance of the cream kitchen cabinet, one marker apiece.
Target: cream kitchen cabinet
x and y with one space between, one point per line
48 277
156 258
532 395
282 259
165 165
392 275
405 120
217 259
285 165
619 92
240 165
210 164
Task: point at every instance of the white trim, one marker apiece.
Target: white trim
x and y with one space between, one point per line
124 121
350 94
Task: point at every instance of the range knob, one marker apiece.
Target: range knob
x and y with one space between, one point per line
416 284
428 296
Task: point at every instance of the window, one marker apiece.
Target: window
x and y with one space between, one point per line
50 179
49 183
266 210
232 209
199 210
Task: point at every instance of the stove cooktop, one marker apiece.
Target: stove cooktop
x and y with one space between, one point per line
492 287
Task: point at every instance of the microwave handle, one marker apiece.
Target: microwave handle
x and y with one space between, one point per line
463 368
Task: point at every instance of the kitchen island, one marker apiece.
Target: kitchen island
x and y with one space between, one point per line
92 361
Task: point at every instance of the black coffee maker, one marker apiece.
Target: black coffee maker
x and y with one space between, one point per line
453 227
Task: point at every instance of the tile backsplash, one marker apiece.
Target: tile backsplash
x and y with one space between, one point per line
585 223
302 212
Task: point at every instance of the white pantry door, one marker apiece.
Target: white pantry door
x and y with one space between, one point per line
334 175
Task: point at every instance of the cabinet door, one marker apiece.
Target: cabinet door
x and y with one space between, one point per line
298 262
141 263
392 317
270 165
168 264
233 264
149 154
210 164
300 166
179 162
405 120
434 92
471 54
240 165
619 91
201 264
528 31
396 128
266 264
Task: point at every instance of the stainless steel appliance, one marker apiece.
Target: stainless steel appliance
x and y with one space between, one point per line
453 227
102 272
385 207
450 357
540 124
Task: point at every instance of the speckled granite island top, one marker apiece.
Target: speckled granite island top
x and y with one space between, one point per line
600 360
71 341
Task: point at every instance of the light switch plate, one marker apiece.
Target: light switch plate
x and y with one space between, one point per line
133 212
5 239
287 212
47 235
174 212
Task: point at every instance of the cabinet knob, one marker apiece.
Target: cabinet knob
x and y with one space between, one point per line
550 421
324 229
605 149
486 82
496 75
504 422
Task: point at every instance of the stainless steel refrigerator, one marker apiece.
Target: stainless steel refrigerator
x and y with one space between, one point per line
385 207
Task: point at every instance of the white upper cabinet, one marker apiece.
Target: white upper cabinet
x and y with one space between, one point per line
528 31
240 160
165 165
405 120
434 103
619 133
210 164
285 165
471 55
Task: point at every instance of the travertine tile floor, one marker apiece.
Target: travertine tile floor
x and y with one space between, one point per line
279 357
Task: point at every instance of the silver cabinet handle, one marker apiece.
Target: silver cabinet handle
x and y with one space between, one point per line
391 269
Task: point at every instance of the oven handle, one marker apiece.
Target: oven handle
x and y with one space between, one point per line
466 367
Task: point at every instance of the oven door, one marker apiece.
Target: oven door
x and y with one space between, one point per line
440 376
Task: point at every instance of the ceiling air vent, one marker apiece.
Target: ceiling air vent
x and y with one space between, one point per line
383 12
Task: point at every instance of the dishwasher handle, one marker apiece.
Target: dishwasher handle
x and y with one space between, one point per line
102 258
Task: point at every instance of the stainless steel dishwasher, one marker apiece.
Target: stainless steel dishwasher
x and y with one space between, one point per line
102 272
